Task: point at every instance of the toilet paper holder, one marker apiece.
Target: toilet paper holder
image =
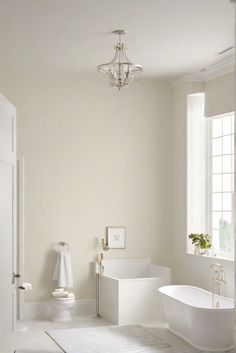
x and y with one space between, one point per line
25 286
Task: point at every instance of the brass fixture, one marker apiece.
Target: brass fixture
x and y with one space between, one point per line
218 279
104 245
99 272
100 262
63 243
15 276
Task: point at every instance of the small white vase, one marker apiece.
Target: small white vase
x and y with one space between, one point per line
197 250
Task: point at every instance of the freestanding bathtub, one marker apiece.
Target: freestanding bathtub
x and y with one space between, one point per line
190 316
128 291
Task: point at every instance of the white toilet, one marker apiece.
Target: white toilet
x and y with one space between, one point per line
62 303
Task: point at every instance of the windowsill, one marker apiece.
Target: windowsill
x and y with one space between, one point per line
210 257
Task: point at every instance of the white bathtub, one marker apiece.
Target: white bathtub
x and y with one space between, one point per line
190 315
128 291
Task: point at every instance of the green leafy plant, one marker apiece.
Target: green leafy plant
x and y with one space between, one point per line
200 239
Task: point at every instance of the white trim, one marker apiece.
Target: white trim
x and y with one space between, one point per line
208 176
42 310
20 264
8 156
14 209
194 77
218 69
210 211
195 150
8 106
221 68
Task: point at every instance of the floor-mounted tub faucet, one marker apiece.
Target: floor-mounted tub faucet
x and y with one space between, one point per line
218 279
100 262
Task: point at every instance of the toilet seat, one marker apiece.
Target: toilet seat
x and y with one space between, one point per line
58 297
64 298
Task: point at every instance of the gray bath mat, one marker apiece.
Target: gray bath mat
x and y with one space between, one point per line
108 339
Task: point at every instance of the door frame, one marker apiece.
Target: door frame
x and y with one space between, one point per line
20 234
9 157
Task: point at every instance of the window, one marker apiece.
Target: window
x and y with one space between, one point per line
221 166
210 161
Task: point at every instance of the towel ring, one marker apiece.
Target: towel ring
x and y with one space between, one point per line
63 243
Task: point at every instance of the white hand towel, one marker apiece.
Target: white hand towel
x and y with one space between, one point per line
63 271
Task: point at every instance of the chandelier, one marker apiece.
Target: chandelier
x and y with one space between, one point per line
120 71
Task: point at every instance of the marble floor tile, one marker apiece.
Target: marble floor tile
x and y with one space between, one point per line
34 340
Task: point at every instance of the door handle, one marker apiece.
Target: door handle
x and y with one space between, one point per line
15 276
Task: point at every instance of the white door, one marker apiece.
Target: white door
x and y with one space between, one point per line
7 215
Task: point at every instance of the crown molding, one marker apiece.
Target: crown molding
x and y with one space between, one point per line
216 70
220 68
194 77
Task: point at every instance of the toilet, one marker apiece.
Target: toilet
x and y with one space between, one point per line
62 303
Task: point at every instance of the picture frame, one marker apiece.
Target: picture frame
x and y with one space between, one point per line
116 237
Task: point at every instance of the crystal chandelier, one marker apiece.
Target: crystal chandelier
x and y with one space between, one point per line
120 71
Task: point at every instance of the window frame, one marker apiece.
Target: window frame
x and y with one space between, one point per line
209 189
200 194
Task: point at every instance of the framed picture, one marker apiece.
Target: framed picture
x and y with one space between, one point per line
116 237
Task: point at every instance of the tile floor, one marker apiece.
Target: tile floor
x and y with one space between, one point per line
34 340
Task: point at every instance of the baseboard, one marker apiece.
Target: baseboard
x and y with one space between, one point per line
42 310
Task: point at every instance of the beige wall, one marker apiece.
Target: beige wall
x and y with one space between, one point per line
220 95
187 269
93 157
96 157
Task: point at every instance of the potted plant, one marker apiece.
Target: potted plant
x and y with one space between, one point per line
201 241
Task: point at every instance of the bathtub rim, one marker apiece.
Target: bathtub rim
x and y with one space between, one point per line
132 279
193 306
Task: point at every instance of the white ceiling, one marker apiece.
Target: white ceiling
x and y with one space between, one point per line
168 37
